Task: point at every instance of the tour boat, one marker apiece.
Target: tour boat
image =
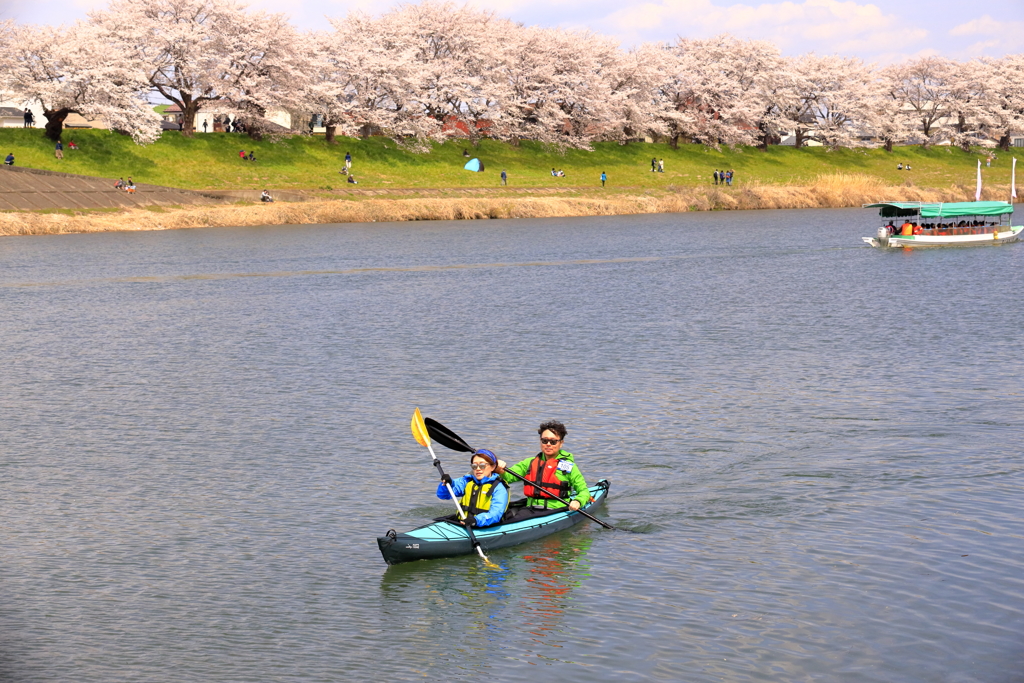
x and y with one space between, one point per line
444 537
944 224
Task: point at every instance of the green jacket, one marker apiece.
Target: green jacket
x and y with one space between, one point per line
578 489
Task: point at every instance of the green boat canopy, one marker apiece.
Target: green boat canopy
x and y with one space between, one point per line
941 210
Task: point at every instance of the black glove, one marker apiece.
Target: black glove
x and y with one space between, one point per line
469 521
446 478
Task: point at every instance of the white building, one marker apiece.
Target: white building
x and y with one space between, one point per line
19 106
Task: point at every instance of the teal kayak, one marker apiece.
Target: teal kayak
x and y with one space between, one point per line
444 537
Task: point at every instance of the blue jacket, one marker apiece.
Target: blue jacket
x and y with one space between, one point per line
499 498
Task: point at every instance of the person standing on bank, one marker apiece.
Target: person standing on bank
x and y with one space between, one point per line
504 177
58 151
604 177
483 495
552 471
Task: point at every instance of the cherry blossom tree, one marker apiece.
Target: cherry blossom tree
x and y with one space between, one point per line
361 78
529 102
71 70
634 80
199 51
885 117
921 87
1005 102
836 95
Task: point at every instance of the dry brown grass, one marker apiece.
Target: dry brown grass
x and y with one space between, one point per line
828 191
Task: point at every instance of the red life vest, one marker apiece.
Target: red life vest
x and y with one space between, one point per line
544 484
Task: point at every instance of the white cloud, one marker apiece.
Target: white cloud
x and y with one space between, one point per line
993 38
824 26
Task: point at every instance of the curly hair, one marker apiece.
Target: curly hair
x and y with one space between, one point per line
555 426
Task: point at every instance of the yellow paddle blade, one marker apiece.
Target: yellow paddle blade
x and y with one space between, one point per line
419 429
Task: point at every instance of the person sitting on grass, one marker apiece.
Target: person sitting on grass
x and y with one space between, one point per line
72 144
9 161
241 154
265 197
352 180
553 173
252 155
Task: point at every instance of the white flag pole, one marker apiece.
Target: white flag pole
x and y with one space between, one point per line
977 194
1013 181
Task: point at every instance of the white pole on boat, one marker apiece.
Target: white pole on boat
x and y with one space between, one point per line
1013 181
977 194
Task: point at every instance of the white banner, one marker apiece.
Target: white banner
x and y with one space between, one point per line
1013 180
977 194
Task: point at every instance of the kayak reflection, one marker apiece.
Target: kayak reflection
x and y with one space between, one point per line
554 567
530 591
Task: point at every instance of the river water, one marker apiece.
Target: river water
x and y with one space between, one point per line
813 446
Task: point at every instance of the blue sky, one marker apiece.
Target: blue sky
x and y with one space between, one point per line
882 31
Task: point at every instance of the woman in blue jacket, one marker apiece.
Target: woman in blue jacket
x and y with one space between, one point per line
482 494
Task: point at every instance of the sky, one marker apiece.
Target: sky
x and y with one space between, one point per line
883 31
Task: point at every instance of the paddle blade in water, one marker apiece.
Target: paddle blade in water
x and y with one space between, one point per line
419 430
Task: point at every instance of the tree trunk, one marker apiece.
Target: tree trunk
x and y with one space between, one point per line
675 141
799 133
55 122
189 109
1004 142
330 130
888 145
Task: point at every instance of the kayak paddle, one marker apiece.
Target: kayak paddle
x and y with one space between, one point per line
450 439
419 432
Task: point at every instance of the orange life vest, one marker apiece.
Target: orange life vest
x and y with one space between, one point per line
544 484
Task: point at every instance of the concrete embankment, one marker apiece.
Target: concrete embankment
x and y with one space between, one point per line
165 208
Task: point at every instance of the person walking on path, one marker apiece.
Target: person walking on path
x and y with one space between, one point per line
604 177
661 165
654 165
504 177
348 163
29 118
58 151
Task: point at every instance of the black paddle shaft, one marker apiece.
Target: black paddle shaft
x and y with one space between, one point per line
449 439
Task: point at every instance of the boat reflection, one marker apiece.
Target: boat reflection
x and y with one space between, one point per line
529 591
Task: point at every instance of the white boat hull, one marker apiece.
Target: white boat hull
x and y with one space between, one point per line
1004 236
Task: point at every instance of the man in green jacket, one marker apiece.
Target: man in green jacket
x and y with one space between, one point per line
552 471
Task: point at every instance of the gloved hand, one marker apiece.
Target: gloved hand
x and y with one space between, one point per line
447 479
469 521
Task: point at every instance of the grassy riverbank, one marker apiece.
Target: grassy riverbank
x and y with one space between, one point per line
833 191
210 162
